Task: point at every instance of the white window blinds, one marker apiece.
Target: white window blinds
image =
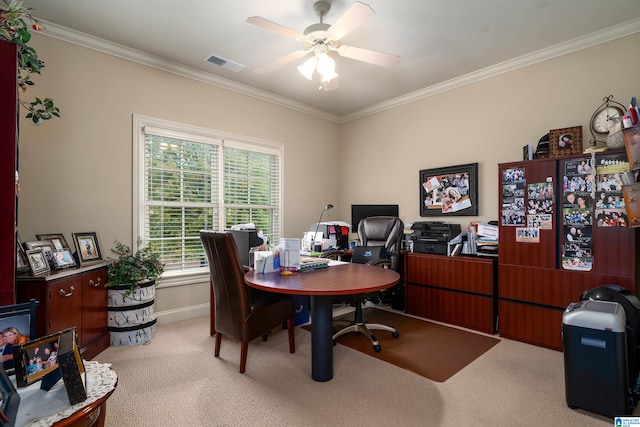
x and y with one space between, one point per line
190 179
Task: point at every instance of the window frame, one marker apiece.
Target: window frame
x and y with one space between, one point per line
196 134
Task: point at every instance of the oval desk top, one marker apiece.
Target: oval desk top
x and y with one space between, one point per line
342 279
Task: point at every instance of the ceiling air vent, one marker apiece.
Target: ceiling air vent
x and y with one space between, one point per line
225 63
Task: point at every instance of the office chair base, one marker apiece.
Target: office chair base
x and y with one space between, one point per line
365 329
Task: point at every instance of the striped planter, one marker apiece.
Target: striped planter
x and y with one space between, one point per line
131 319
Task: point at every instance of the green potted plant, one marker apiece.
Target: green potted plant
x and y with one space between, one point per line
15 18
131 294
132 269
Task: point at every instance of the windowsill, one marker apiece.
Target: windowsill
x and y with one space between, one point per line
179 279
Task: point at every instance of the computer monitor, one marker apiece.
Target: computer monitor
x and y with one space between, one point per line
359 212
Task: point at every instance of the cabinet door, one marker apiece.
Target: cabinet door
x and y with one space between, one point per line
514 181
8 132
65 305
94 305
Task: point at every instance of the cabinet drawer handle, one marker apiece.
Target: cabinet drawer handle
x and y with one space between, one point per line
67 295
96 283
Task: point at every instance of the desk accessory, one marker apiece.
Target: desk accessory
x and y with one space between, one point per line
326 208
286 259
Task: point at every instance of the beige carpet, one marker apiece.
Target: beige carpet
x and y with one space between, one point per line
176 381
429 349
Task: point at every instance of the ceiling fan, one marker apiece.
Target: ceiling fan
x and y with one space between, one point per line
323 38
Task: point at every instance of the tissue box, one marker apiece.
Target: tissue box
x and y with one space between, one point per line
263 262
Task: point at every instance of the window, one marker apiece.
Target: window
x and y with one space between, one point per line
189 178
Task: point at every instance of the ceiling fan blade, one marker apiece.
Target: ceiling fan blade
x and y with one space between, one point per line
265 68
353 17
370 56
272 26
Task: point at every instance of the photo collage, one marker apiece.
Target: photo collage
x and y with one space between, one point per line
611 174
447 193
577 214
531 216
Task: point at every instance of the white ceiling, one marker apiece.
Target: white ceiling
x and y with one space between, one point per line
441 43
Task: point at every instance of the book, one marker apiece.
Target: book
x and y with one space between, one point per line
313 263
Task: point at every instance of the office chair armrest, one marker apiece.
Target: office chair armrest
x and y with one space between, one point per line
247 268
334 254
380 262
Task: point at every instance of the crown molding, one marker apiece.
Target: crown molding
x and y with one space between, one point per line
593 39
120 51
127 53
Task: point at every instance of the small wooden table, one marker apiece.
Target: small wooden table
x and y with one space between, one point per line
323 285
39 408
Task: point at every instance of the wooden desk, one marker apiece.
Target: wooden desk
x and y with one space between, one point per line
322 285
39 408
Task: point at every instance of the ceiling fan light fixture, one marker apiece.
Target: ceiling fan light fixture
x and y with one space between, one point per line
326 65
329 84
308 67
327 77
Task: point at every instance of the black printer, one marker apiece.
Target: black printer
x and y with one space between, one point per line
432 237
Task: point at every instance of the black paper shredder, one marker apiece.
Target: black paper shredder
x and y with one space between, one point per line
595 357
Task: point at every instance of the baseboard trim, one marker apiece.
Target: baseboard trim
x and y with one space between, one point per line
183 313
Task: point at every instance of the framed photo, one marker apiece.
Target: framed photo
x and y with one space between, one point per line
631 137
9 400
63 259
38 263
563 142
57 239
36 358
22 265
87 247
17 322
40 359
449 191
47 248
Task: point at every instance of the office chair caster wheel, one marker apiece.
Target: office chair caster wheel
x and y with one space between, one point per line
377 348
395 334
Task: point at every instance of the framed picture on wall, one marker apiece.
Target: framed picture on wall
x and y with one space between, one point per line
449 191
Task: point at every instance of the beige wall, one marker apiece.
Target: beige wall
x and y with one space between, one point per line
76 172
486 122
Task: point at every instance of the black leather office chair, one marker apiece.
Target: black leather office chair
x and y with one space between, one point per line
242 313
380 239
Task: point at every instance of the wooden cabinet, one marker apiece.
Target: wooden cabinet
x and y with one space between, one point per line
457 290
71 298
535 286
8 150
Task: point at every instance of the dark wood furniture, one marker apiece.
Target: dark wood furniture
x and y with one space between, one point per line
71 298
323 285
534 289
457 290
8 162
242 314
92 415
